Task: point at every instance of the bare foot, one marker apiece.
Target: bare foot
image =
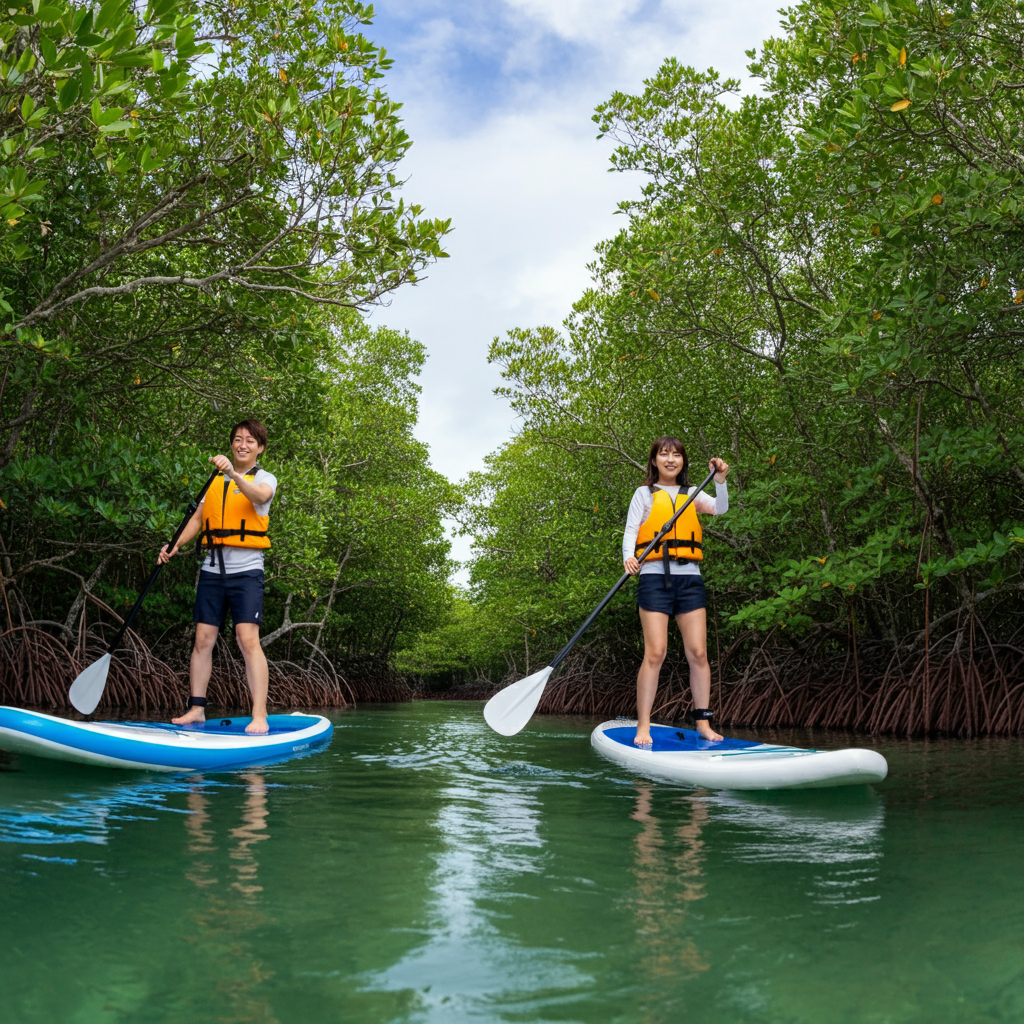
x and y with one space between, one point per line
194 716
643 740
707 733
258 726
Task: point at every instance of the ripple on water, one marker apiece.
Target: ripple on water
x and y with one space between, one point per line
425 871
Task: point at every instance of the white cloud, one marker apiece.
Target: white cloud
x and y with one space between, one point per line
498 97
529 202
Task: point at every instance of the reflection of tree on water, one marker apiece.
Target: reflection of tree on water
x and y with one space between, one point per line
666 884
222 919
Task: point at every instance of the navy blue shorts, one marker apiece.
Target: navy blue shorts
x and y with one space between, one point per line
684 593
242 592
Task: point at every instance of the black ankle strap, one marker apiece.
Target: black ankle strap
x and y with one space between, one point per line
703 715
196 702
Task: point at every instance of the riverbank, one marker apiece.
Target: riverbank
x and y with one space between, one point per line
961 694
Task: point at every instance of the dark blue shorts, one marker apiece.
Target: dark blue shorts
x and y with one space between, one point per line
242 592
684 593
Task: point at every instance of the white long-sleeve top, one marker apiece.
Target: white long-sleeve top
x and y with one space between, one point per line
640 508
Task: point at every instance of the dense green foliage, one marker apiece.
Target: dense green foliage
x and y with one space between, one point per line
197 199
822 283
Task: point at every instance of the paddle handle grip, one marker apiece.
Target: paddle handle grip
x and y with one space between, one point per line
119 635
625 576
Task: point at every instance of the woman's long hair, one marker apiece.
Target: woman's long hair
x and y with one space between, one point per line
672 444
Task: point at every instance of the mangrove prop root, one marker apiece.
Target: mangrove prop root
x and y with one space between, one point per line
953 689
37 669
944 692
950 689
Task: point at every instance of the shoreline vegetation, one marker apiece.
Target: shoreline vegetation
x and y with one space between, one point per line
965 693
821 281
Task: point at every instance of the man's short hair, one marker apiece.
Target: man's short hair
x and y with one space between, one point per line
255 428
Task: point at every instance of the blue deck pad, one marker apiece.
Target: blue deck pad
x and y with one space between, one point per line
228 726
667 738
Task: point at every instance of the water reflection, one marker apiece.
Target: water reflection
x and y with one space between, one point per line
53 815
528 900
188 850
492 857
222 922
841 833
711 869
424 872
665 884
252 830
248 834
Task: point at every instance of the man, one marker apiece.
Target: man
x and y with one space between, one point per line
232 520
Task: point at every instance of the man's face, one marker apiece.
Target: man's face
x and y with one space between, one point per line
244 448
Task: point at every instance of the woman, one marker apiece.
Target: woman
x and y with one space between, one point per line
670 580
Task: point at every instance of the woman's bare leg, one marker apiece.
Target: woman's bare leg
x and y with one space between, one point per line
655 626
693 627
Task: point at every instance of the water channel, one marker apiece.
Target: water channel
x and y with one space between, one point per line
424 869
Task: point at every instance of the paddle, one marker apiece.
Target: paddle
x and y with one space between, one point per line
511 708
88 687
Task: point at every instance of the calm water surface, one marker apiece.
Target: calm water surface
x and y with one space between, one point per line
424 869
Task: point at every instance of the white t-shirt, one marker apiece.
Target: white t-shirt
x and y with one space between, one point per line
640 508
242 559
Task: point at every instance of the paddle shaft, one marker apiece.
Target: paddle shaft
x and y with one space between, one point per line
119 635
625 576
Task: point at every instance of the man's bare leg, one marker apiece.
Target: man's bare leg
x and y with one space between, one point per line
655 626
693 627
248 636
199 669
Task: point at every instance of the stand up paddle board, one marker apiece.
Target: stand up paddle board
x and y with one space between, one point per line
682 755
155 746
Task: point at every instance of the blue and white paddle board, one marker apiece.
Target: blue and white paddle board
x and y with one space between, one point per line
155 746
682 755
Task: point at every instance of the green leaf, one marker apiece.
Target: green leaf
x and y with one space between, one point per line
87 78
134 59
104 117
48 49
110 12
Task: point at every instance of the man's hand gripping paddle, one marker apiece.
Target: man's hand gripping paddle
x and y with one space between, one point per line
510 709
88 687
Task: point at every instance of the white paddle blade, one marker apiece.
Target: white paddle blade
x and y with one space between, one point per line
510 709
87 689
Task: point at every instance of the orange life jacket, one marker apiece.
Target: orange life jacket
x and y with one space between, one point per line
683 541
229 518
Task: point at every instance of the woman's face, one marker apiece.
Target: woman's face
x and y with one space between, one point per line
670 464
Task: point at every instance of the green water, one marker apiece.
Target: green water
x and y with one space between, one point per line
424 869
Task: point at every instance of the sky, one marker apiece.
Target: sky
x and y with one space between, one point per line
498 97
